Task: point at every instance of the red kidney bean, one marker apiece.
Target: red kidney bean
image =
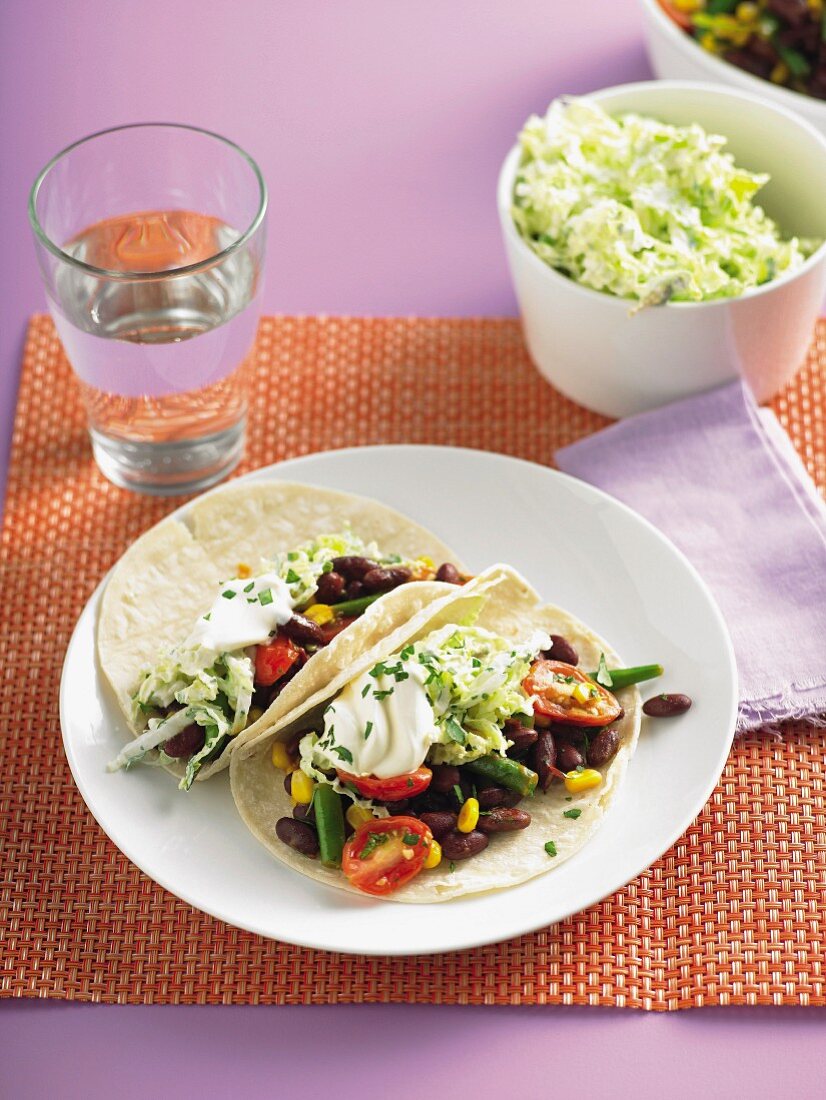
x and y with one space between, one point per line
298 835
303 812
402 806
354 590
353 567
561 650
448 573
191 739
491 796
445 778
569 758
330 587
439 822
304 631
292 744
512 798
456 845
571 735
603 747
288 783
383 580
503 819
545 755
666 706
522 737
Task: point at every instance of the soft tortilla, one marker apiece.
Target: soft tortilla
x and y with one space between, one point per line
170 576
512 608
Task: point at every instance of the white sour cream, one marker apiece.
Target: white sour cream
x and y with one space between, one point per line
385 725
245 613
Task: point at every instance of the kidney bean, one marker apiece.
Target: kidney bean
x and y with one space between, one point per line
354 590
544 758
571 735
288 780
603 747
432 802
353 568
402 806
512 798
303 812
304 631
568 758
491 796
523 737
561 650
448 573
383 580
189 740
456 845
503 819
439 822
330 587
298 835
666 706
445 778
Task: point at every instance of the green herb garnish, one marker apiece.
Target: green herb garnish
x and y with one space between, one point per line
265 597
550 848
373 841
229 594
368 729
455 731
411 838
573 813
457 790
342 753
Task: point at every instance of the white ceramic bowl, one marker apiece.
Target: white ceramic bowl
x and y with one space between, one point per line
589 345
675 55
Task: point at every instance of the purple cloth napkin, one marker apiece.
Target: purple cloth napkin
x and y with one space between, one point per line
720 477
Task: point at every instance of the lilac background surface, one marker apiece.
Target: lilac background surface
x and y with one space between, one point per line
380 126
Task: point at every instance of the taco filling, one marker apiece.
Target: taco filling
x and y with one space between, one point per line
431 753
260 631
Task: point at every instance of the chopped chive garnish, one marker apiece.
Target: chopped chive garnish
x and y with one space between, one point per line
249 587
343 754
368 729
411 838
265 597
364 691
457 790
573 813
550 848
229 594
382 694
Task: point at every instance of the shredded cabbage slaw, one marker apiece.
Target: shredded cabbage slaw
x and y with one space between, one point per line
644 210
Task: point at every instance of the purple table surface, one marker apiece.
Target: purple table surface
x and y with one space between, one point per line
380 126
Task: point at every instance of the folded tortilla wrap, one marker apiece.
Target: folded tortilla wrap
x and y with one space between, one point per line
507 605
169 577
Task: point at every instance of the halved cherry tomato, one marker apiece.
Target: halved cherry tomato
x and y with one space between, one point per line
553 683
384 854
335 626
389 790
275 659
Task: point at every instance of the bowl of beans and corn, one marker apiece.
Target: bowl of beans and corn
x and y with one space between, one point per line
772 48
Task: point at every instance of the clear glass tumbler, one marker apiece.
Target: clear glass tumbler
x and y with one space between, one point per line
150 239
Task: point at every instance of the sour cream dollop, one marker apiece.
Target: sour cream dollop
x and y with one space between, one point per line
245 612
380 725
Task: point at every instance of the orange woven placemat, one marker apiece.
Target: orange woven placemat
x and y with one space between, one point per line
734 913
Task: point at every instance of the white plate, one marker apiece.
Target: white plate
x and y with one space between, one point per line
582 550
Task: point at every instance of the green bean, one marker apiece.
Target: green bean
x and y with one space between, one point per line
505 773
624 677
354 607
329 819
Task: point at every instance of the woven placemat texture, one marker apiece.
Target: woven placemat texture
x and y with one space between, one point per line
734 913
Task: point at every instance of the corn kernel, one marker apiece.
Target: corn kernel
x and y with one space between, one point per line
254 714
687 5
301 787
243 571
358 815
582 692
319 613
281 758
709 42
780 73
577 781
468 816
434 855
747 11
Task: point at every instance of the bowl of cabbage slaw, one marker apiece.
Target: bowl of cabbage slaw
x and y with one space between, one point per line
664 238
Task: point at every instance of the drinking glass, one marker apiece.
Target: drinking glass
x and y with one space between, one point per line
150 240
